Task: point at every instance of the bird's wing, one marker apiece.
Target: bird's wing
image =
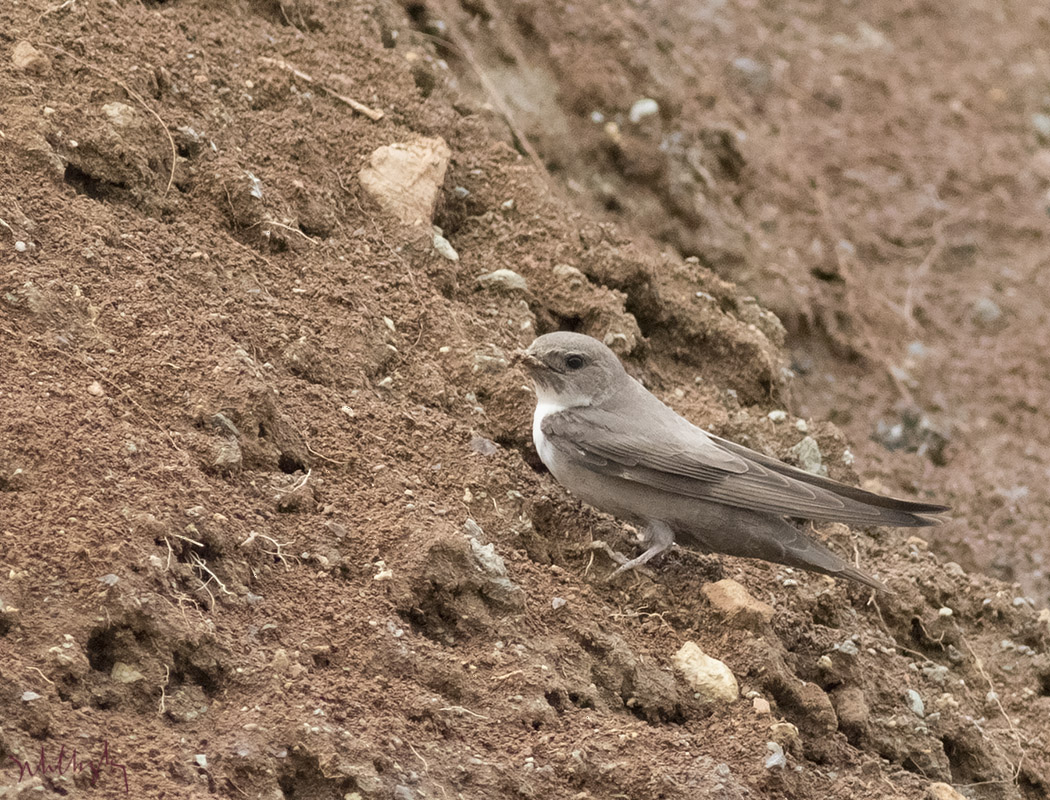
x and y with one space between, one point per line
662 450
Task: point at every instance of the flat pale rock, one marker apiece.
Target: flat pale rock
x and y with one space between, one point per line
28 59
707 676
733 602
405 178
125 673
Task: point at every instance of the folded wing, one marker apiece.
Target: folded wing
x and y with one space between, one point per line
668 453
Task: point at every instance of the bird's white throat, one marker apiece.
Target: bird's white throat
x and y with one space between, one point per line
544 408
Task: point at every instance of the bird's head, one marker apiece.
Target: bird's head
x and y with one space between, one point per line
571 369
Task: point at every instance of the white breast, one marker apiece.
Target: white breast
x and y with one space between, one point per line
543 447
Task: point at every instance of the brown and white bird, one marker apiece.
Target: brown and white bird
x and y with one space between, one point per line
615 446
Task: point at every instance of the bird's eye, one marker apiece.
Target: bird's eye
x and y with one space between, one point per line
574 361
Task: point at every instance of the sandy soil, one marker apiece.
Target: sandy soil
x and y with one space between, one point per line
272 521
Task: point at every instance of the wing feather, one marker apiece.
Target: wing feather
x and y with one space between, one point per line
668 453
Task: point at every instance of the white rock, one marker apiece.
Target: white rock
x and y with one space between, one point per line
915 703
707 676
445 248
646 107
505 279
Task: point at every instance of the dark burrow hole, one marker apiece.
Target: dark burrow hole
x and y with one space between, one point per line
89 185
184 671
100 645
290 464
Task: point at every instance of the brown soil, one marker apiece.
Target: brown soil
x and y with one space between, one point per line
272 521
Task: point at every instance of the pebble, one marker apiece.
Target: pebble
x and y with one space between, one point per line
732 601
986 311
483 446
125 673
808 454
503 279
646 107
121 115
777 415
29 697
558 602
28 59
848 648
20 246
707 676
915 703
753 74
96 389
776 756
761 706
444 248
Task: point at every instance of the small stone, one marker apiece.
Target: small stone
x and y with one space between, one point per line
761 706
444 248
28 59
785 733
915 703
570 272
558 602
403 792
777 415
483 446
944 611
707 676
942 791
20 246
121 115
801 426
125 673
646 107
848 648
986 311
201 760
776 756
95 388
29 697
504 280
733 602
807 452
405 178
109 579
954 570
754 75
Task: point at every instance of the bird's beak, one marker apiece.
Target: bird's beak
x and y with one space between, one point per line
526 359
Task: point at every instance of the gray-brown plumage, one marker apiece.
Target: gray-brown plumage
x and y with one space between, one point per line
617 447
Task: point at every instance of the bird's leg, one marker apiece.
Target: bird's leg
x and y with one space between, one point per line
658 537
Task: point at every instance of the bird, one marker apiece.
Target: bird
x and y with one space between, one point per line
617 447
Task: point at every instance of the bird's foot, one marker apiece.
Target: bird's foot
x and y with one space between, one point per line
658 537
